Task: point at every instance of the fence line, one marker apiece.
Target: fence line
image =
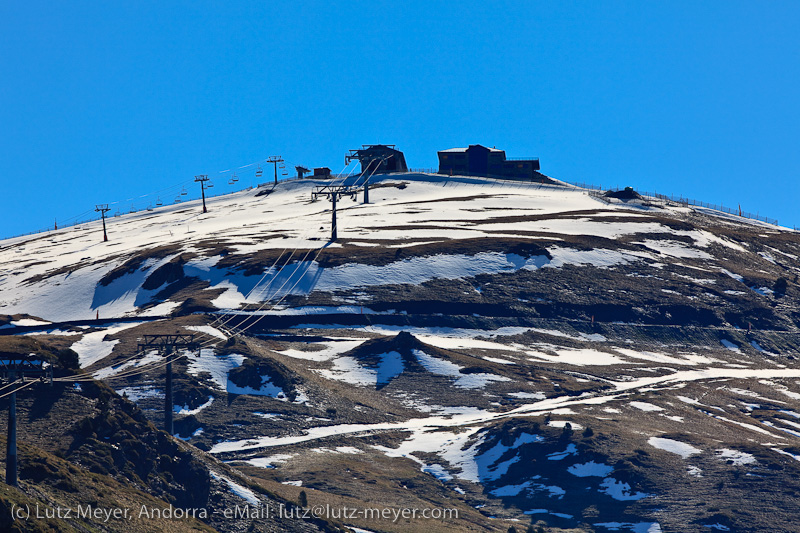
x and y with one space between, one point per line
595 192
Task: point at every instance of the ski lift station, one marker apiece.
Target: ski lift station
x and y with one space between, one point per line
477 160
378 159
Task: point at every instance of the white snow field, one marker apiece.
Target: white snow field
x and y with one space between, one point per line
62 283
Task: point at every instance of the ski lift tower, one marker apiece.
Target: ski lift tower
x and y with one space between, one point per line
202 178
166 345
275 159
15 368
103 209
334 192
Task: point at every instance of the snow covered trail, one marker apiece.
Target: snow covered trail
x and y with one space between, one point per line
480 416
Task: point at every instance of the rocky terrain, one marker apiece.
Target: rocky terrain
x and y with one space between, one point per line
521 355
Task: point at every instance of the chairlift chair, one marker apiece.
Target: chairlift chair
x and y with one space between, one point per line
259 172
178 199
183 192
159 202
149 207
209 185
234 178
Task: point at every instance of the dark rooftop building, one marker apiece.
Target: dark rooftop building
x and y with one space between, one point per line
378 159
322 172
477 160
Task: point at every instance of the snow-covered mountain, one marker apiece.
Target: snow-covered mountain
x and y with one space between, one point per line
239 249
519 352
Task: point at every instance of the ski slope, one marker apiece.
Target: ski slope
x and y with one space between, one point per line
57 275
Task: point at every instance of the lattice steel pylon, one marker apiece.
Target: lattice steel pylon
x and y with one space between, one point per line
15 367
166 345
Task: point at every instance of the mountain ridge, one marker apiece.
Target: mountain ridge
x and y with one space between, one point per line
520 352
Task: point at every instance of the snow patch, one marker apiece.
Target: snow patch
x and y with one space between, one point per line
446 368
92 347
269 462
673 446
644 406
731 346
735 457
590 469
242 492
620 491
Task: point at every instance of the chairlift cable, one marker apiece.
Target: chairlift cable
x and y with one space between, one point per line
10 384
26 385
267 302
222 319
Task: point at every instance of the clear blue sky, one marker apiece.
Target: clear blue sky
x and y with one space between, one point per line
108 101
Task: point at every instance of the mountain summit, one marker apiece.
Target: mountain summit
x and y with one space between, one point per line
523 353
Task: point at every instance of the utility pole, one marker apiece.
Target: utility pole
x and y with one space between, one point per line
334 193
11 366
275 159
166 345
103 209
202 178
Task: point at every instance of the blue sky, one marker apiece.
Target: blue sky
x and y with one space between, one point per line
107 102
